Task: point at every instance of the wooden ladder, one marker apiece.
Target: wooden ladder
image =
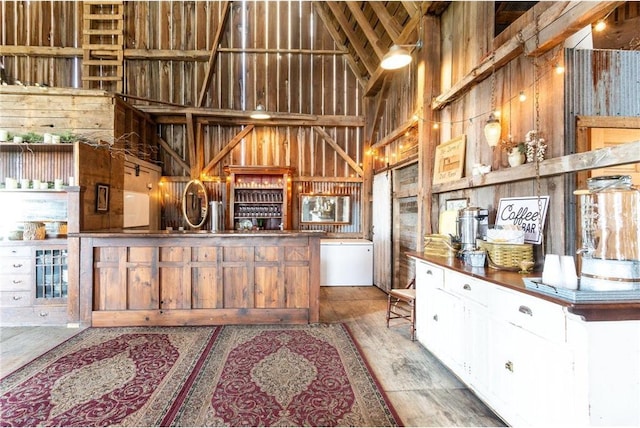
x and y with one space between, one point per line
103 45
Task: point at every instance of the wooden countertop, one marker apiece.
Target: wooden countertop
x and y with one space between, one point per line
589 311
126 233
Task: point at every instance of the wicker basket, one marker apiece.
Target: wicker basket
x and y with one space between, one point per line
34 230
440 245
507 256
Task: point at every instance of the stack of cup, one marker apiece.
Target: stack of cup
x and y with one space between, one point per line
560 272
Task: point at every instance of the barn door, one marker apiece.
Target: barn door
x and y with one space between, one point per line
381 221
405 222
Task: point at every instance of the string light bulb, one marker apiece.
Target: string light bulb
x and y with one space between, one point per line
559 68
600 25
522 97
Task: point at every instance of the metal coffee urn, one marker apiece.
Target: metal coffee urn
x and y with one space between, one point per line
473 223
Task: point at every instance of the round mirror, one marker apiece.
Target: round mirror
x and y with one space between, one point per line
195 203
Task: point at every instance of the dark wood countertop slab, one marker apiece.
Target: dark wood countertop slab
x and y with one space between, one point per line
590 311
125 233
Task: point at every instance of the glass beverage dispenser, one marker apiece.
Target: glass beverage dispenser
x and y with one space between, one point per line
610 234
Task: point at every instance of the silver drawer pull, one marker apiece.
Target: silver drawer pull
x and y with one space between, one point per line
429 272
16 281
435 317
466 287
525 310
17 265
509 366
17 297
44 314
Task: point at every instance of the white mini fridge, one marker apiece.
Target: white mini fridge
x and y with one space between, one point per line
345 262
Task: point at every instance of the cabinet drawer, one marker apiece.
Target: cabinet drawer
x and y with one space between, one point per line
467 287
429 274
15 299
15 252
38 315
21 281
538 316
12 266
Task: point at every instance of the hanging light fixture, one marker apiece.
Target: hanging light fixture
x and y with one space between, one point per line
260 113
492 130
397 57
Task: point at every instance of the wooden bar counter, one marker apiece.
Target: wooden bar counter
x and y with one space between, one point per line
142 278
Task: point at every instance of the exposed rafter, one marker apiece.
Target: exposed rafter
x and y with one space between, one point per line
214 53
351 35
366 28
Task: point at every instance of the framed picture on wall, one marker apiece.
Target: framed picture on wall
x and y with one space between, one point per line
102 197
449 160
325 209
456 204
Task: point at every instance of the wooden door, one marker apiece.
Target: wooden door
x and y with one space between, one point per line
381 221
405 223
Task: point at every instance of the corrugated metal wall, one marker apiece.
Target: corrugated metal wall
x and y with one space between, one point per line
600 82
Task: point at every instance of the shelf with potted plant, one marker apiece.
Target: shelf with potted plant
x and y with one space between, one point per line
516 151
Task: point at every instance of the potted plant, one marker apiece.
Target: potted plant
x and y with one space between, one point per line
515 151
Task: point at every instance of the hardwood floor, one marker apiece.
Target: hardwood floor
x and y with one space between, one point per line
423 391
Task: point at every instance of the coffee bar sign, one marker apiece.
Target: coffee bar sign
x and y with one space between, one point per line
526 213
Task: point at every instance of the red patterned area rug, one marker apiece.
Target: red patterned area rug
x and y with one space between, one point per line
307 375
311 375
119 376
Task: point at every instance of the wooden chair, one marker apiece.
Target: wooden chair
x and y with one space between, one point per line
401 304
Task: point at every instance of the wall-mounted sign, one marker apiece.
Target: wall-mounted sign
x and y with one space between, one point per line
449 160
527 213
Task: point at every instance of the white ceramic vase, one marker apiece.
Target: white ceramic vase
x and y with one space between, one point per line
515 157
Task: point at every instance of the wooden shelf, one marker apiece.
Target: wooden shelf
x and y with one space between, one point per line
36 147
617 155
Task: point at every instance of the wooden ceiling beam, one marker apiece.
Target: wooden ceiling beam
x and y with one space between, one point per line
353 164
226 149
381 99
358 70
167 148
214 53
340 17
391 26
366 28
411 7
191 148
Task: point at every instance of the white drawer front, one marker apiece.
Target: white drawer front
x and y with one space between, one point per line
14 299
20 281
15 252
13 266
538 316
429 274
467 287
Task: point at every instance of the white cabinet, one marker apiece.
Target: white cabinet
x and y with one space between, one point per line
531 379
451 320
429 284
528 358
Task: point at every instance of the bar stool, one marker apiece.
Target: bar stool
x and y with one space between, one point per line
401 304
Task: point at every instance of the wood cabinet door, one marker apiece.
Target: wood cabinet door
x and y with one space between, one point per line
206 279
174 270
238 277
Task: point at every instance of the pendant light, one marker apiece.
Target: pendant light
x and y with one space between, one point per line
397 57
492 130
260 113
